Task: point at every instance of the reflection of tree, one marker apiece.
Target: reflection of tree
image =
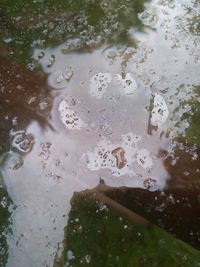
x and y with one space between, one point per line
96 235
47 23
21 95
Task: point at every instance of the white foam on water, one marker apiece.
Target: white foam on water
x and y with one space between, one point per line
127 83
144 159
99 83
69 117
160 112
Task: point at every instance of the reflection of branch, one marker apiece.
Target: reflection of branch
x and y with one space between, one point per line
130 215
175 210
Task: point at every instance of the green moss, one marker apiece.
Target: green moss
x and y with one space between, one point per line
4 225
193 132
97 236
190 110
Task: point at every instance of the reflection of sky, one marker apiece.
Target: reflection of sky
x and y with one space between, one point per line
58 164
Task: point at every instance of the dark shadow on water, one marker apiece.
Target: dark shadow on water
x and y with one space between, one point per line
24 97
176 208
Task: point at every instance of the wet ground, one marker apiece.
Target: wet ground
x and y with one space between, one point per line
105 90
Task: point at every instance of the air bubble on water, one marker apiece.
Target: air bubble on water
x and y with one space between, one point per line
7 40
22 142
41 55
67 74
15 161
60 79
99 83
70 255
25 146
51 61
128 84
18 137
15 121
88 259
148 18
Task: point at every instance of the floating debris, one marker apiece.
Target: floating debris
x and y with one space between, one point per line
118 153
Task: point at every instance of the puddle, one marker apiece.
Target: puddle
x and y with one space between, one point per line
108 91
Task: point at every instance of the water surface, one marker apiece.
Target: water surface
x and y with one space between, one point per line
90 91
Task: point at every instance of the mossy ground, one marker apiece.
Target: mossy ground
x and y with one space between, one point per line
5 213
98 236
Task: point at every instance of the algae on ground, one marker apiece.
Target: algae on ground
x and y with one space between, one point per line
5 215
190 110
